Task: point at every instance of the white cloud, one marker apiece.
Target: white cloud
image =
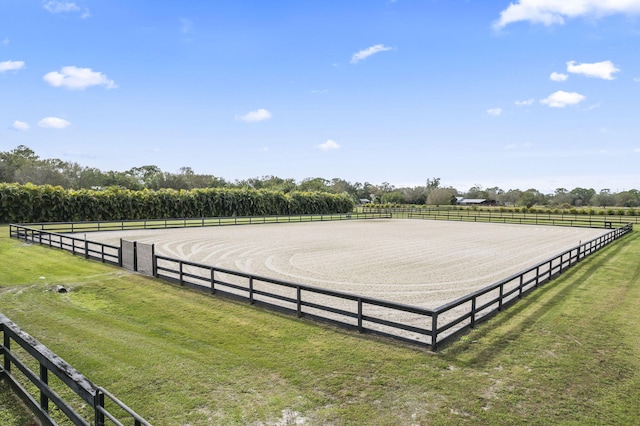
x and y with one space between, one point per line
603 69
328 145
494 112
364 54
561 99
5 42
550 12
526 102
11 66
73 77
65 7
556 76
257 115
637 79
53 123
61 7
20 125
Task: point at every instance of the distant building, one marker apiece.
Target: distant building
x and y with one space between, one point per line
364 201
474 201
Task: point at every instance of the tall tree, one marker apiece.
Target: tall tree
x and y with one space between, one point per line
11 161
582 196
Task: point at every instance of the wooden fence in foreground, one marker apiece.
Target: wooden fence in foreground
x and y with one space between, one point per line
429 327
102 406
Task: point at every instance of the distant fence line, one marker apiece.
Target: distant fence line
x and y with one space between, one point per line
31 350
494 215
430 327
122 225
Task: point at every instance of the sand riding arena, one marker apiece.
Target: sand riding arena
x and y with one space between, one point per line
416 262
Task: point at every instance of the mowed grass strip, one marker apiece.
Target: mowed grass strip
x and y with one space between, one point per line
569 353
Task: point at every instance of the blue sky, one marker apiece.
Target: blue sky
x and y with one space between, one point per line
515 94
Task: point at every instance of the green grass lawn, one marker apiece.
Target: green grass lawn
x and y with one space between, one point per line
569 353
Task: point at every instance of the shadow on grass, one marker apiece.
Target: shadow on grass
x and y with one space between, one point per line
12 411
526 315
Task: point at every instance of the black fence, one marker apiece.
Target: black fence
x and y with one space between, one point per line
36 390
122 225
589 221
495 215
364 314
81 246
429 327
467 311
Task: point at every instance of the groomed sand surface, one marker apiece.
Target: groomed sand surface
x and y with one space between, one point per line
417 262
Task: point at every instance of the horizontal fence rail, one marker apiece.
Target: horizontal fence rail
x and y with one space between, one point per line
413 324
81 246
529 219
485 214
121 225
465 312
367 315
32 351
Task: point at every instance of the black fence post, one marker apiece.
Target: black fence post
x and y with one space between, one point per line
7 348
520 286
251 301
213 281
135 256
299 301
98 400
434 331
360 329
473 312
44 376
154 261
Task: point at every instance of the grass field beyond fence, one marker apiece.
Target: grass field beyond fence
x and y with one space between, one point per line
569 355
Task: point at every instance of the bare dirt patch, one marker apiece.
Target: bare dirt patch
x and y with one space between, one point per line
417 262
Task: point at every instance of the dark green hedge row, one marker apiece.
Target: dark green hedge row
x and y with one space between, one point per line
46 203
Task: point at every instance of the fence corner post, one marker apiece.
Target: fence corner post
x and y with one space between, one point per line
434 331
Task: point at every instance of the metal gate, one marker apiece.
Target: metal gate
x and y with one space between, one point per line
137 257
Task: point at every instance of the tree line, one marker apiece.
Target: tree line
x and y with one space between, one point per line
23 165
47 203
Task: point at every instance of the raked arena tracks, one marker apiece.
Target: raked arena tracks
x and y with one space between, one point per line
416 262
